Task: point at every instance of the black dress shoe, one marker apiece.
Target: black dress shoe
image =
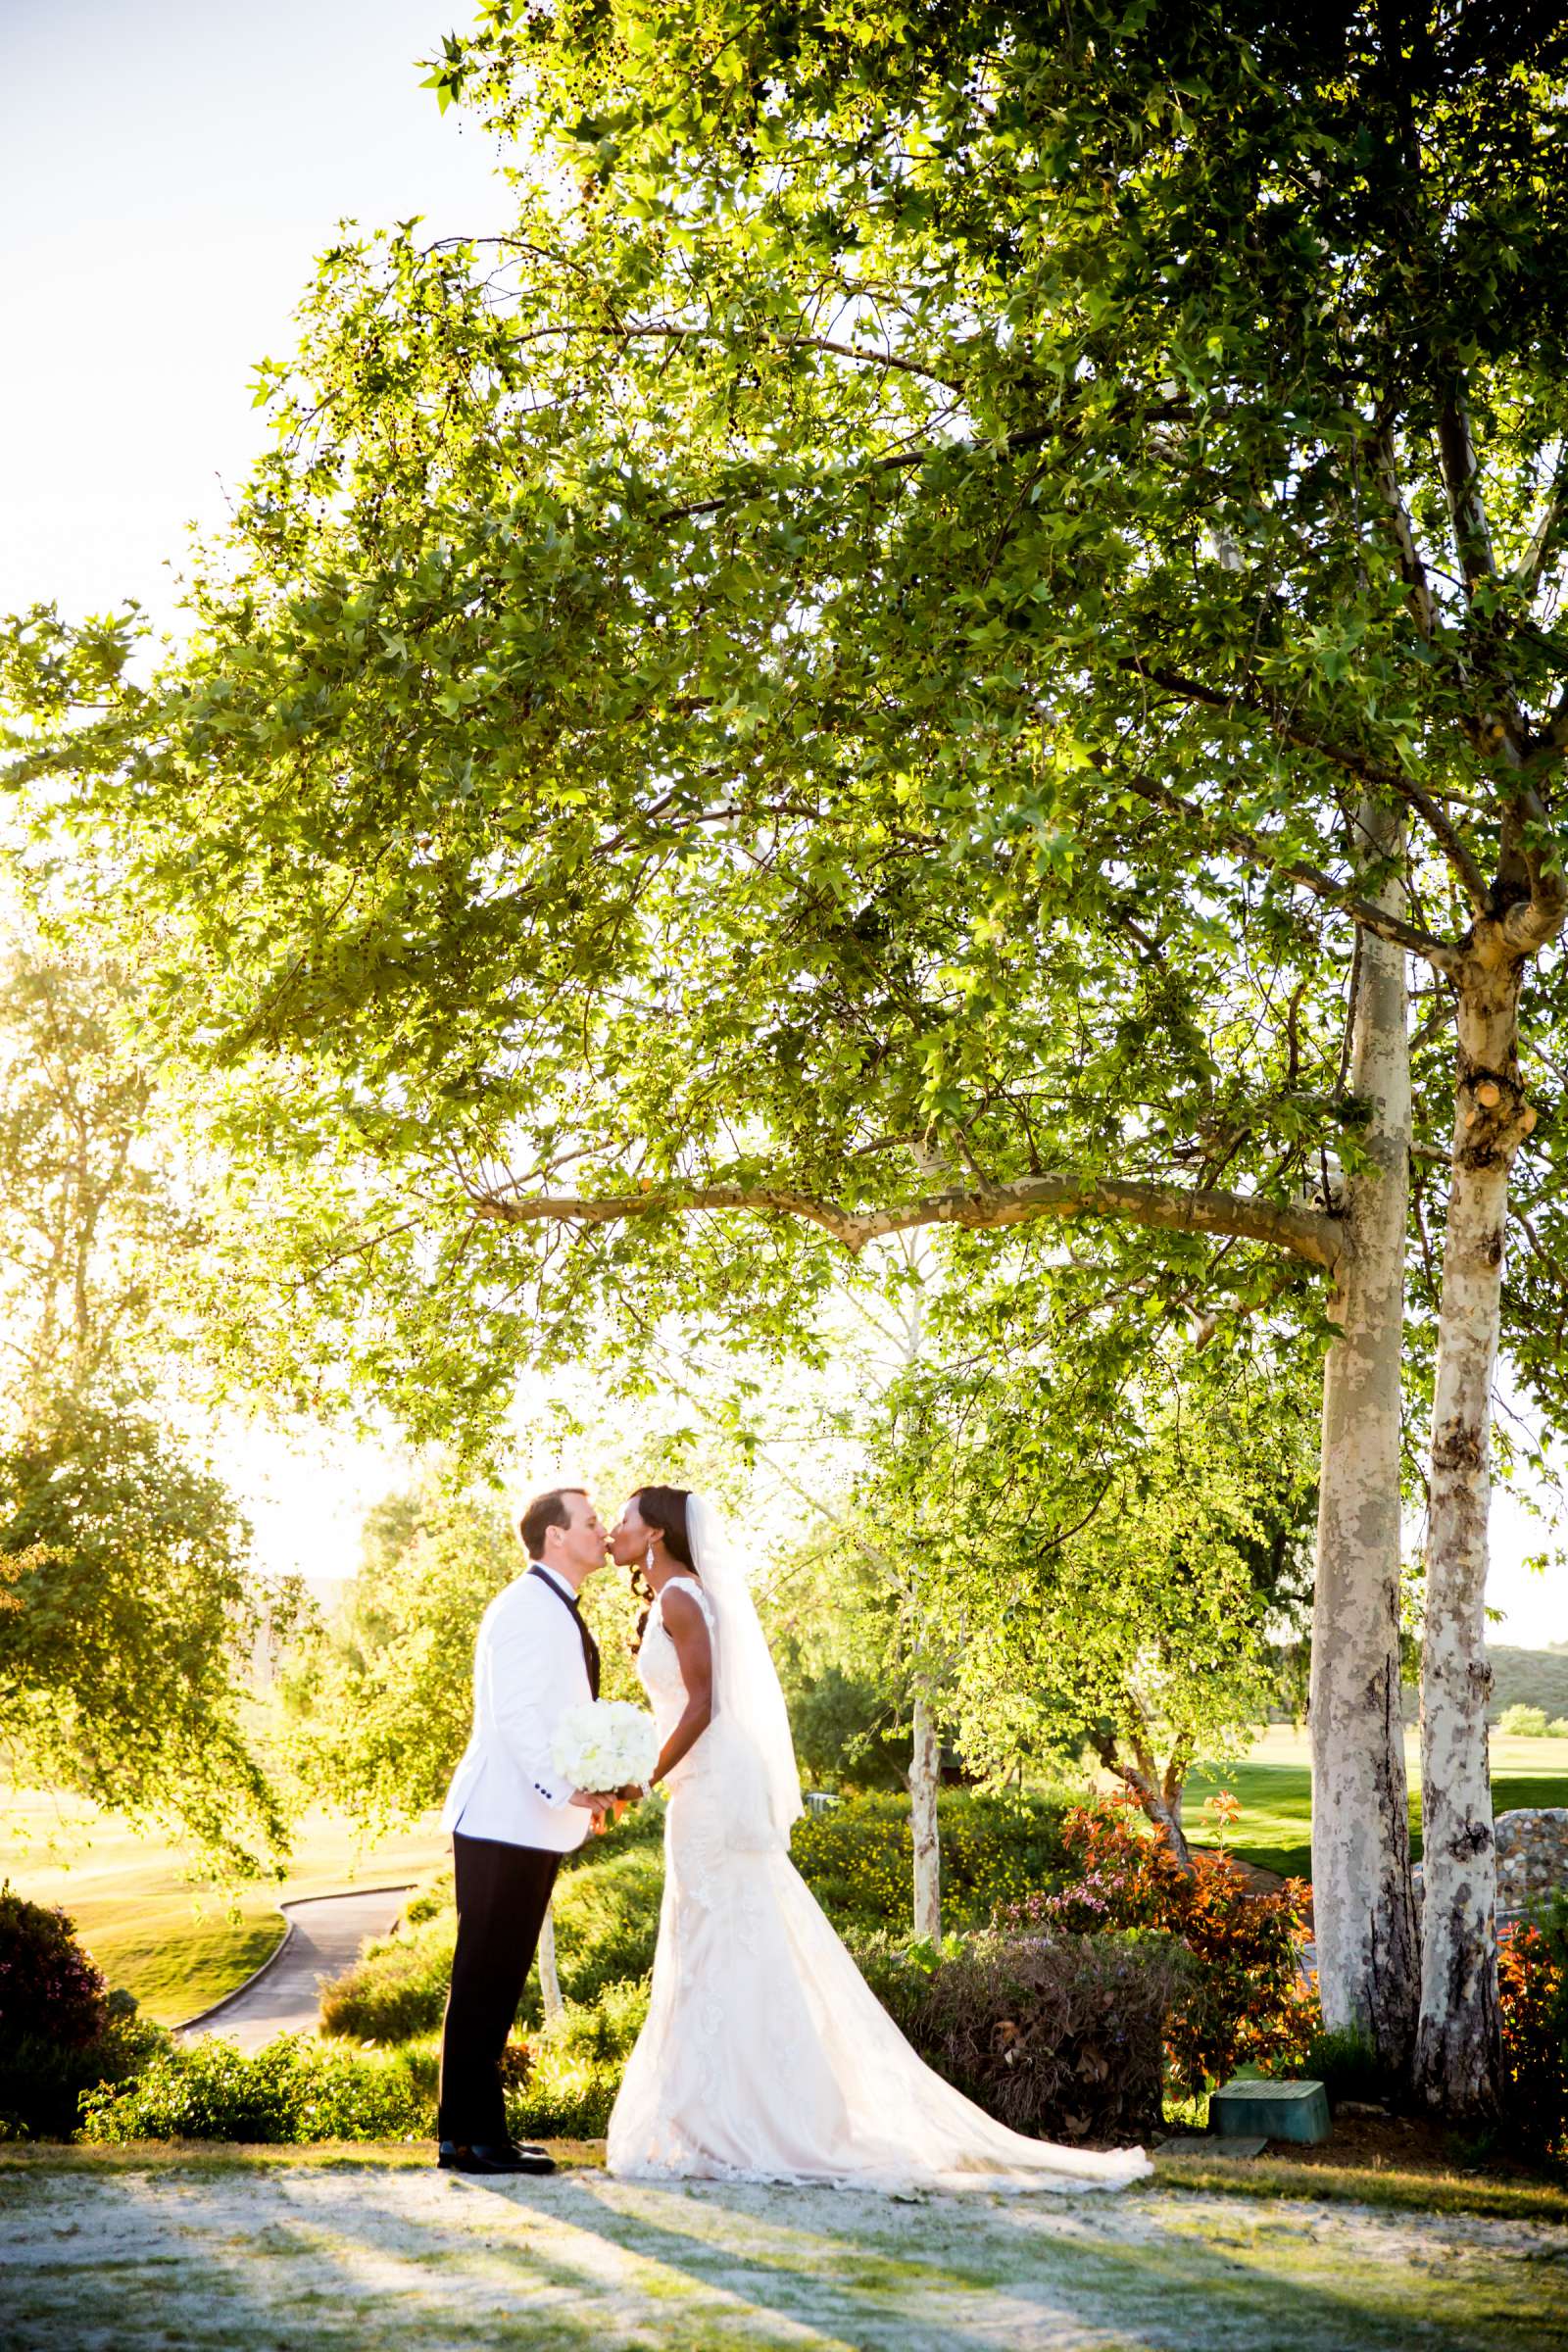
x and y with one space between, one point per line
454 2157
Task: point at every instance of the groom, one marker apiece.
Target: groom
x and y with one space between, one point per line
511 1818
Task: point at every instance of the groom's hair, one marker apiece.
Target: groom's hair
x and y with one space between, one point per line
543 1513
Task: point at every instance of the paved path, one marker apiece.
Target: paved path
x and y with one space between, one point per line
285 1997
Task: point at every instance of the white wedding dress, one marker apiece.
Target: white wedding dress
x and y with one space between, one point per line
766 2056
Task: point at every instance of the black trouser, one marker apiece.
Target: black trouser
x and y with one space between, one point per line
503 1895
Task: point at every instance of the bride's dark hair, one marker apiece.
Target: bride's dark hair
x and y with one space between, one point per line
665 1509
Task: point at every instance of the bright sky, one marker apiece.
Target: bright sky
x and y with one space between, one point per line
169 169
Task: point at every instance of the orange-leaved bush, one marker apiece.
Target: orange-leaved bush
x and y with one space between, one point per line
1248 2000
1533 2012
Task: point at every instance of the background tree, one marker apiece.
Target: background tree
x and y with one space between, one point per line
95 1230
122 1659
380 1697
849 1717
1113 1540
131 1609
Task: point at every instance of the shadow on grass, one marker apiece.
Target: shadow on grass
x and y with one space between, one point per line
1131 2272
419 2263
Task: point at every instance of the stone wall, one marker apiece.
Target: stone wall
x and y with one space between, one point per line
1532 1856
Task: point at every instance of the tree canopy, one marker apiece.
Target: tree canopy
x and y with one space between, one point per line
829 662
381 1702
1099 1548
134 1618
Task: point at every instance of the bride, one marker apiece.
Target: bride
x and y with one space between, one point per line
766 2056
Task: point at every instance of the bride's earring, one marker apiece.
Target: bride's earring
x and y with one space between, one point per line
648 1557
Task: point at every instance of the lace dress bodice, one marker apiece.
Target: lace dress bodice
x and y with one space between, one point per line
659 1672
658 1666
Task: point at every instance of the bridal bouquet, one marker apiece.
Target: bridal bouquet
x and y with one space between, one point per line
605 1743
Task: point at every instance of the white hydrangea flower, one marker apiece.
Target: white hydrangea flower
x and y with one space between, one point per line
605 1743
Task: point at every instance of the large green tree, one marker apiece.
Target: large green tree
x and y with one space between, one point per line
878 655
1106 1539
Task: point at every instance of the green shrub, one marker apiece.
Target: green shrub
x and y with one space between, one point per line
1347 2065
295 2090
572 2069
607 1921
427 1901
857 1858
396 1988
1523 1723
561 2081
1061 2037
1557 1729
61 2030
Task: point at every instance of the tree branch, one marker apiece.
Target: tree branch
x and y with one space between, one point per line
1371 772
1461 479
658 330
1227 834
1526 572
1472 538
1001 445
1532 923
1300 1233
1413 569
1438 823
1181 1755
897 461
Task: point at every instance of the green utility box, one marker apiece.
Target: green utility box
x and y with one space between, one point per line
1279 2110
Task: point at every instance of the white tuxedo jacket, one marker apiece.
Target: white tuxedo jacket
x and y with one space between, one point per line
528 1669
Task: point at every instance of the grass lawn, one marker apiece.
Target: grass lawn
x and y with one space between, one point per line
178 1946
1274 1785
352 2250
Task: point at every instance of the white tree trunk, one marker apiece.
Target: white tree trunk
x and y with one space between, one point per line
549 1980
1458 2056
925 1771
1363 1900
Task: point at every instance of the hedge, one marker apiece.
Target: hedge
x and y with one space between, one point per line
295 2090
